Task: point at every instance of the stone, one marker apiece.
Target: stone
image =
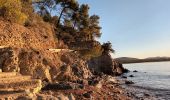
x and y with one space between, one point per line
111 79
63 86
123 76
135 71
23 98
105 64
93 82
45 97
9 59
87 95
146 94
42 72
99 85
71 97
67 59
131 76
129 82
62 97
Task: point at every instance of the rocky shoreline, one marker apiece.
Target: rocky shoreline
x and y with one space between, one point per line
99 88
74 80
63 75
78 80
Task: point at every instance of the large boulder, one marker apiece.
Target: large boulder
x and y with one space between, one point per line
105 64
9 59
119 69
74 68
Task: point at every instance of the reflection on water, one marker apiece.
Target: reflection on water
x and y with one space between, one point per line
154 75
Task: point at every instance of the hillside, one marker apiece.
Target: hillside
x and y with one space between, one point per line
58 54
136 60
31 51
39 37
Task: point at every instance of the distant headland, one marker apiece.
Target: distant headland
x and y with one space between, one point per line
126 60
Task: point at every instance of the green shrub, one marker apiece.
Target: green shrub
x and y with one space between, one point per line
93 52
12 10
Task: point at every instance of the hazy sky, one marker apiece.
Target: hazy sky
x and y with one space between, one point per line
136 28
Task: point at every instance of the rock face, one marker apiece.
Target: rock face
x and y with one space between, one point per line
27 50
105 64
74 68
119 69
24 50
26 62
8 58
44 65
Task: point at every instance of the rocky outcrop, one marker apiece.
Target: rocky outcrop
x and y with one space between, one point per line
9 59
26 62
119 69
44 65
24 50
27 50
74 68
105 64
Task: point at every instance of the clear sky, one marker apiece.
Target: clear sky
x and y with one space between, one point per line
136 28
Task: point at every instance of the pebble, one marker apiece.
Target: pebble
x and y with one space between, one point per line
87 95
129 82
135 71
124 76
131 75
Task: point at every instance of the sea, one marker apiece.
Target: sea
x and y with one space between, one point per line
153 76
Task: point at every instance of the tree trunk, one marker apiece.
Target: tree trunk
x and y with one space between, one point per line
58 22
74 25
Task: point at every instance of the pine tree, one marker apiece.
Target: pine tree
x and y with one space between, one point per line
107 48
67 8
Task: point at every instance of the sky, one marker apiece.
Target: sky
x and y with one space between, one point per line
136 28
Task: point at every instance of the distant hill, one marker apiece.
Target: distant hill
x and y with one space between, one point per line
137 60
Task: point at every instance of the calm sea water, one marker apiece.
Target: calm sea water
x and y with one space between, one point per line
155 75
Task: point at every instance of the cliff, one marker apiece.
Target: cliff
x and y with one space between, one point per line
26 50
33 51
